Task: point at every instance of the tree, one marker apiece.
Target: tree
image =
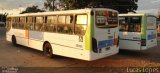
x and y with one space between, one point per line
54 5
123 6
3 17
50 4
75 4
32 9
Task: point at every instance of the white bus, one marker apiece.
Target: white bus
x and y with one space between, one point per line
137 31
86 34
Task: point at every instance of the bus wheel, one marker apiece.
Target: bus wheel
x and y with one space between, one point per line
47 49
14 41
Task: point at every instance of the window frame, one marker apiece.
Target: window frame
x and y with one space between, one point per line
48 24
39 26
22 23
109 25
65 28
76 25
15 23
29 25
129 24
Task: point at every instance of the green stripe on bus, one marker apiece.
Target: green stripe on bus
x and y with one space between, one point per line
92 28
144 27
90 33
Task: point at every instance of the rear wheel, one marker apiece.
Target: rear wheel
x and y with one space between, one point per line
14 41
47 49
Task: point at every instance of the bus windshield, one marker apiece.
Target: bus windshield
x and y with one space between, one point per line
106 19
130 23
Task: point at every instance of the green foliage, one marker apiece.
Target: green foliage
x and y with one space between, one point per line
50 4
32 9
3 17
123 6
75 4
54 5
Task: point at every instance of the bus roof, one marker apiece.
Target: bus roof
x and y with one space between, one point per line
78 11
137 14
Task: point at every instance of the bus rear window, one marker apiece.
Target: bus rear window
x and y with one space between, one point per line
106 19
151 22
130 23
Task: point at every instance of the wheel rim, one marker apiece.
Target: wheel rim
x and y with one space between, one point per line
14 40
48 50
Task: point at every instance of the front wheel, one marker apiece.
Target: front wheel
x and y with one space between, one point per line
14 41
47 49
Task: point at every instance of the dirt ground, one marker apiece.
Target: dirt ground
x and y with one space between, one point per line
24 57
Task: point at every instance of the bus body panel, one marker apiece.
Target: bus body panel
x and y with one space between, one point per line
71 52
113 50
131 45
104 37
35 39
151 31
151 38
108 39
65 40
130 40
20 36
35 44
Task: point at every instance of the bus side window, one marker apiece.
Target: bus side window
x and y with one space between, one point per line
137 27
81 24
123 22
29 23
123 25
18 22
8 24
15 22
39 23
50 25
61 23
131 28
22 22
65 24
69 28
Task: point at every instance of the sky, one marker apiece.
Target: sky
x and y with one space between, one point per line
148 4
16 6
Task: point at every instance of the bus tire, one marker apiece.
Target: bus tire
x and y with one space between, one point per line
47 50
14 41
